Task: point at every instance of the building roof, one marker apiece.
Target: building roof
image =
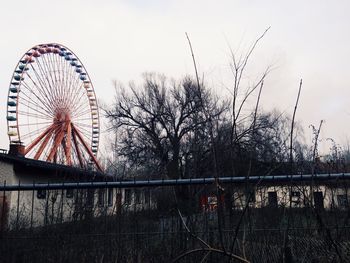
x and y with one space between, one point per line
32 166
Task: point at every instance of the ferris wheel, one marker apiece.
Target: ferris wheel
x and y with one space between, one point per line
52 109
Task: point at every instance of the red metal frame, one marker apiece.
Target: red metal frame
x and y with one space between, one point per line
75 141
58 140
38 139
68 144
43 145
75 130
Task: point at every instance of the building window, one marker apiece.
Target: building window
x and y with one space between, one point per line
69 193
295 196
342 201
101 197
318 200
272 199
127 198
110 197
41 194
212 202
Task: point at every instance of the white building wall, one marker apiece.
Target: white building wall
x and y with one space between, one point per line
6 177
302 196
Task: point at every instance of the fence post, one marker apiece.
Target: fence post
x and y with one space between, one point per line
18 196
3 211
32 210
62 199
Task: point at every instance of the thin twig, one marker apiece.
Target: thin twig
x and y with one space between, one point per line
292 127
189 231
211 135
194 60
285 239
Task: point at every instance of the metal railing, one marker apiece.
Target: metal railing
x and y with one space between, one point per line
175 182
185 220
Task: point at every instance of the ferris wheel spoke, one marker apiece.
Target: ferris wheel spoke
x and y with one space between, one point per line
35 107
74 159
68 145
69 96
82 113
75 141
45 73
27 85
30 102
49 71
33 133
58 140
82 110
46 91
88 150
77 98
84 119
61 90
45 116
65 73
38 139
32 124
61 64
58 84
59 72
73 89
30 135
85 137
52 91
37 114
79 124
65 86
46 149
43 65
43 145
71 77
77 103
84 131
53 66
40 75
39 88
33 115
52 74
81 107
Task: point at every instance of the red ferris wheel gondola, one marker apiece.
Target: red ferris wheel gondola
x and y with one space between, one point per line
52 108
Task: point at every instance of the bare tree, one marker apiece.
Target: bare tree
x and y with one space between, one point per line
158 122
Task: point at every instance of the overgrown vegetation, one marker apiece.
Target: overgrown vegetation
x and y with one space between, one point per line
182 129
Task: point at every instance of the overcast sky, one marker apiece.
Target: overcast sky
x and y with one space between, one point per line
122 39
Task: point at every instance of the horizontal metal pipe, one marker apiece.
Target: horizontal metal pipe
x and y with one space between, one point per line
175 182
